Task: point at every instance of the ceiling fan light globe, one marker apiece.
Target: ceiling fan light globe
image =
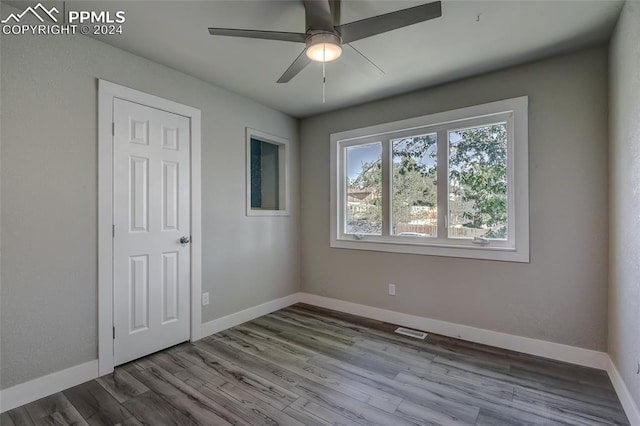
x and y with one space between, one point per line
324 47
324 52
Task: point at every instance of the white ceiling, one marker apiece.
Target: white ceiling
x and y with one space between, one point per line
457 45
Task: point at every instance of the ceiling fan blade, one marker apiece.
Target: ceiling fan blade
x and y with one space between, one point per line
298 65
360 62
317 15
265 35
358 30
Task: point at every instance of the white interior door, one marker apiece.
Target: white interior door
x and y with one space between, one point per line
151 214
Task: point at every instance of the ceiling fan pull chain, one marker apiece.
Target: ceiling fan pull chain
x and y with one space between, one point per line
324 80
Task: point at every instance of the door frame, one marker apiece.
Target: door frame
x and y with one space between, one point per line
107 93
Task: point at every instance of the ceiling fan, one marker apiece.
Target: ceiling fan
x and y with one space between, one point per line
324 36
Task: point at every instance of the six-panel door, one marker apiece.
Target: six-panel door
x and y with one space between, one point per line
151 202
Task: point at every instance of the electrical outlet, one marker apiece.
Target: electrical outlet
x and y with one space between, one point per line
205 299
392 289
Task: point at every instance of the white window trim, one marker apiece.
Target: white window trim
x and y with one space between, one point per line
283 151
518 185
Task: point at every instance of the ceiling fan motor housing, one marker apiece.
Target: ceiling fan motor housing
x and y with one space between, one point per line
323 46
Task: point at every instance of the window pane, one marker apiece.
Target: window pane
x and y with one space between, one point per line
414 188
364 189
478 182
265 175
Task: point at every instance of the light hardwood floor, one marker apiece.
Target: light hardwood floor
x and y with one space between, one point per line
309 366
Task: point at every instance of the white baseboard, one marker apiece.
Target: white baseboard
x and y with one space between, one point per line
220 324
557 351
35 389
630 406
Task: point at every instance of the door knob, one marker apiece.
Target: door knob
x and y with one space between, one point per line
185 240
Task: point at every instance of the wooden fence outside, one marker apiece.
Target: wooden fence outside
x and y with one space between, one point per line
432 230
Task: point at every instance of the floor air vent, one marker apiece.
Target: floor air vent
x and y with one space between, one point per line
411 333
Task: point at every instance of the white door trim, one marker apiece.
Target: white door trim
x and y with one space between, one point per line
107 92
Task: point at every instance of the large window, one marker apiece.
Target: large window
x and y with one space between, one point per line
447 184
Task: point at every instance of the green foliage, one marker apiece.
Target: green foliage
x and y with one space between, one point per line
414 176
477 179
413 182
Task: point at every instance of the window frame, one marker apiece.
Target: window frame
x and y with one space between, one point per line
514 249
283 178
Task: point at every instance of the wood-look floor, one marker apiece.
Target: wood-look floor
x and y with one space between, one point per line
309 366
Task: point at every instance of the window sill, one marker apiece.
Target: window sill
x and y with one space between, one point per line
257 212
505 254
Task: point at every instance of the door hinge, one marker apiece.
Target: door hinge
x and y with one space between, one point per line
113 231
113 129
114 332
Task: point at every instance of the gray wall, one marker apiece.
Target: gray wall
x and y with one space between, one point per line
561 296
49 198
624 157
